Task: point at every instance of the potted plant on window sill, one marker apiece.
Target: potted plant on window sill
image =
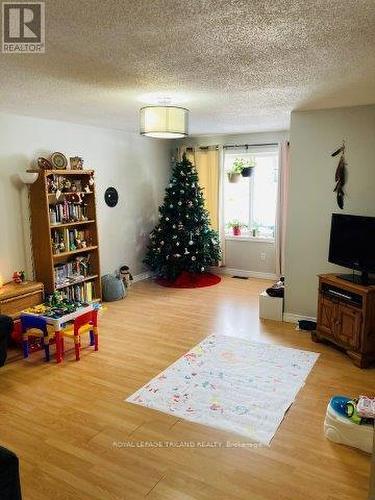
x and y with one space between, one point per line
236 227
255 230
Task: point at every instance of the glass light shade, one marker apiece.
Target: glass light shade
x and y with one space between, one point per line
28 177
164 122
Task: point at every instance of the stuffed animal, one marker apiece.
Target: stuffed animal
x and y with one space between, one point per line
126 276
19 276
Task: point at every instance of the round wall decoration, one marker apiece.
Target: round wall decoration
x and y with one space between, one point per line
111 196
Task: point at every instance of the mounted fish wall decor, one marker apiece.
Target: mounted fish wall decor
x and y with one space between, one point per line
340 176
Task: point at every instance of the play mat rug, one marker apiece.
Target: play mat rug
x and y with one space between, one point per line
230 384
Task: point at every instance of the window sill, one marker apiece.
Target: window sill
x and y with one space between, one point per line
254 239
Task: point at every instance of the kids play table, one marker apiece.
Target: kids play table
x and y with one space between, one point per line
58 324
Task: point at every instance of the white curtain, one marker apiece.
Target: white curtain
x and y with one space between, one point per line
282 202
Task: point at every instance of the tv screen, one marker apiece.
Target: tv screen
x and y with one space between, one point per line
352 242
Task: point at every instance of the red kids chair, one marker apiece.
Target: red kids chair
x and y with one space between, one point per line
87 323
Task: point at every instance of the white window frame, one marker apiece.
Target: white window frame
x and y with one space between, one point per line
250 237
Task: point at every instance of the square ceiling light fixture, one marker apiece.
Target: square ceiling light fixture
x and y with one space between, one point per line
164 122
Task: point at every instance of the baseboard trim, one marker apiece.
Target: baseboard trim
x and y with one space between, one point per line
294 318
143 276
247 274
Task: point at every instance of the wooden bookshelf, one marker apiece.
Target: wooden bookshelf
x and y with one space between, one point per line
48 259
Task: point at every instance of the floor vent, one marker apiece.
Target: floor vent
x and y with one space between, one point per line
240 277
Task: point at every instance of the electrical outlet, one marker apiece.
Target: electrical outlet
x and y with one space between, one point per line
262 256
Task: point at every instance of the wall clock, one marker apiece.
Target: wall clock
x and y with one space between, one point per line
111 196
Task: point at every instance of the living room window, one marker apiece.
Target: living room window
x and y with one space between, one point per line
250 192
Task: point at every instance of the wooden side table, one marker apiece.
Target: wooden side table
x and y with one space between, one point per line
346 317
15 297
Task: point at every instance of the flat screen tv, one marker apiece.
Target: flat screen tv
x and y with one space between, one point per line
352 244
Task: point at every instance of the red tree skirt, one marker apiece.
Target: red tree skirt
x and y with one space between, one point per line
190 280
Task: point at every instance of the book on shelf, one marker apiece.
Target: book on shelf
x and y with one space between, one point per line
83 292
73 271
68 240
67 212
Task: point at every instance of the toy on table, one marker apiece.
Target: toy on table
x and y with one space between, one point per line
343 424
56 306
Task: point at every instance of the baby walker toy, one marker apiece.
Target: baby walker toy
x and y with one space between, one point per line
351 422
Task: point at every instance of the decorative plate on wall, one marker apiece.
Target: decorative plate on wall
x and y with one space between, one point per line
44 164
111 196
59 161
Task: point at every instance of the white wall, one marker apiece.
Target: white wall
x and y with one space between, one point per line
138 167
246 255
314 135
239 254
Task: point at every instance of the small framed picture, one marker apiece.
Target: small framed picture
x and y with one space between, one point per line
76 163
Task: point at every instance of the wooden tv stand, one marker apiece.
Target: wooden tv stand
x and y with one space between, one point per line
346 317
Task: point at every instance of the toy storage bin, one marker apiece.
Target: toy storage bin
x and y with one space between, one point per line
270 307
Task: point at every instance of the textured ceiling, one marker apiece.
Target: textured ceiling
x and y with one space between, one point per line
240 66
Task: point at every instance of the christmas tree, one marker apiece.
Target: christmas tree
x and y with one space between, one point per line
183 240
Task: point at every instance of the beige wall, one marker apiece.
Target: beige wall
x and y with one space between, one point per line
314 135
138 167
239 254
252 256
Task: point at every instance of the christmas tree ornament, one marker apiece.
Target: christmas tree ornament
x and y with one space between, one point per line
179 203
193 258
191 242
171 206
167 218
177 243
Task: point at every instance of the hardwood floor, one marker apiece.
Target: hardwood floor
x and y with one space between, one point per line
69 423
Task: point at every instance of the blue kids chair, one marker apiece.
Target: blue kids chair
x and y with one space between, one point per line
34 327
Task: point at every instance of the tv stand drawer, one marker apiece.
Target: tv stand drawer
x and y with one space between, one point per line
340 294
